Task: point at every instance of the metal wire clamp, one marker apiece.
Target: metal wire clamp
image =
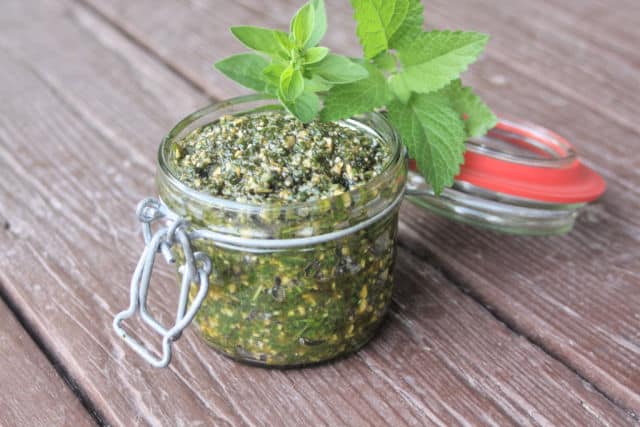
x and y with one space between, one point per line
195 272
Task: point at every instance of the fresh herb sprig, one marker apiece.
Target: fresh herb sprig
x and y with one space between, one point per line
412 74
292 66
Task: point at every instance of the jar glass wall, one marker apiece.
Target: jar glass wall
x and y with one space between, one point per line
302 305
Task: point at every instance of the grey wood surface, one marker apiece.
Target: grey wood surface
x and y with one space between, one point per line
485 329
32 391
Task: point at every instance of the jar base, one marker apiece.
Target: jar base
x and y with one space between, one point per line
256 362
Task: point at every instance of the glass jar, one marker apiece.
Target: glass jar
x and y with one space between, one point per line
308 298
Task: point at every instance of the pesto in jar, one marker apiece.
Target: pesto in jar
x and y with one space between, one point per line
273 156
295 306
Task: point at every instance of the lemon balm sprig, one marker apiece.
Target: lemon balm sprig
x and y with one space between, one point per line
412 74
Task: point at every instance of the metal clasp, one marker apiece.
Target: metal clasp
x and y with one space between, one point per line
195 272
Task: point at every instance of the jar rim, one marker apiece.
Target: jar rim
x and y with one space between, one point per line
397 155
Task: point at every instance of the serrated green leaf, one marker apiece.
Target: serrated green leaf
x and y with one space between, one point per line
385 61
378 20
401 91
305 107
262 39
315 54
291 83
319 24
344 101
411 26
302 25
338 69
246 69
477 115
434 135
436 58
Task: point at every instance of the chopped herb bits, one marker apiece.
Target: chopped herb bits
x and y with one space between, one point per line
264 157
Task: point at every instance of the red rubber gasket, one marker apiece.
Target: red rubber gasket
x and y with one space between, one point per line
568 184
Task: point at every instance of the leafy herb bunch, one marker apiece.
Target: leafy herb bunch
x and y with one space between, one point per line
412 73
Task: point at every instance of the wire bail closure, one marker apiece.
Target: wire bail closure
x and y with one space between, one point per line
195 272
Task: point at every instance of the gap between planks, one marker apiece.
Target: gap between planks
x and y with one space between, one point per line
430 259
71 384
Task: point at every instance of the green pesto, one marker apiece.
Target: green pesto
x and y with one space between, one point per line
273 156
299 306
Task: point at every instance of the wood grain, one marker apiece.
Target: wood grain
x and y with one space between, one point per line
78 133
33 394
546 63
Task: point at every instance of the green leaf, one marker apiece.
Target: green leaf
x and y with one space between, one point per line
246 69
272 74
263 40
302 25
378 20
291 83
305 107
411 26
315 54
385 61
338 69
400 89
317 84
477 115
434 135
435 58
320 23
285 42
344 101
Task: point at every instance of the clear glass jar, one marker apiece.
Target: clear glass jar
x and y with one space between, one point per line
300 305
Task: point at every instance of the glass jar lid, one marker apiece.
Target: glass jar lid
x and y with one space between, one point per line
520 178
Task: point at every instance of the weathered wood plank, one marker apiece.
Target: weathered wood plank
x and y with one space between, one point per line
545 64
80 155
33 394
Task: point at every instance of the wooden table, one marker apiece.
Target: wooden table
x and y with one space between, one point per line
484 329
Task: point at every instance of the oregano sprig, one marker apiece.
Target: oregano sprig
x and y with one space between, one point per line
412 74
291 66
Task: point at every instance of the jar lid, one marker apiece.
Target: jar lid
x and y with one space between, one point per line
519 178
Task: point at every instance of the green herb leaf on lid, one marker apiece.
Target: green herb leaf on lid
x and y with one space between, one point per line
478 117
434 135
